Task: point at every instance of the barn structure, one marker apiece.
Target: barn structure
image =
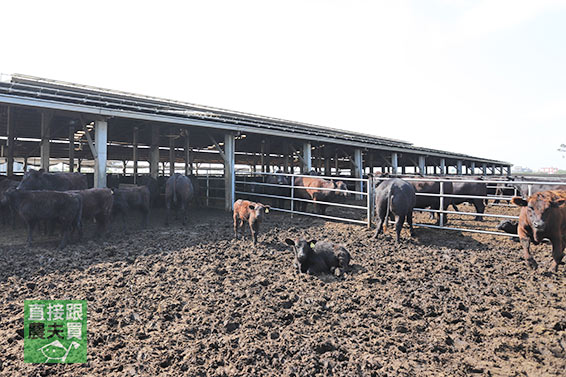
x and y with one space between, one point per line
81 126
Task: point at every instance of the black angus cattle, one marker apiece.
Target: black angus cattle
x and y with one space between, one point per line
394 197
469 189
40 180
314 257
523 188
282 180
7 213
96 205
135 198
433 202
63 208
179 192
153 187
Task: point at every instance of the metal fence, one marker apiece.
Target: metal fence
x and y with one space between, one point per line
246 184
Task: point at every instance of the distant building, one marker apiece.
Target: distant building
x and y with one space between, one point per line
549 170
521 169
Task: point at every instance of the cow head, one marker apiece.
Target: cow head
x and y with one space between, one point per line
259 210
539 207
31 180
281 179
303 249
343 189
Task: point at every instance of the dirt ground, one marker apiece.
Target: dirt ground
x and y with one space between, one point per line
193 301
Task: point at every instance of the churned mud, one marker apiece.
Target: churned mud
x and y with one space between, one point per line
193 301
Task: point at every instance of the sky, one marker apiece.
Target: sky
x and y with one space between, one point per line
484 78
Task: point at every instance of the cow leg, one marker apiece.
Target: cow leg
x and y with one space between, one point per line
254 233
65 238
185 210
167 213
525 243
410 222
480 208
235 227
30 225
379 223
557 253
399 220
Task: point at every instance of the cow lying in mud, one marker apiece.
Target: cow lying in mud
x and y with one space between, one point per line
54 207
252 213
394 197
543 215
319 190
314 257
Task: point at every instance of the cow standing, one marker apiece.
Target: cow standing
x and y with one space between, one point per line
394 197
132 198
432 187
40 180
96 205
318 190
63 208
470 189
543 215
153 187
179 191
252 213
278 191
314 257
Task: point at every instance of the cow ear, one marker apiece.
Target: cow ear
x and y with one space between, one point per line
558 203
289 242
518 201
251 206
312 243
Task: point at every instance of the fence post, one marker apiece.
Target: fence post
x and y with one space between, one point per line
292 194
369 201
530 190
441 214
207 189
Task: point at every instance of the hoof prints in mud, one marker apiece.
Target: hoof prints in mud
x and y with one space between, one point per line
194 301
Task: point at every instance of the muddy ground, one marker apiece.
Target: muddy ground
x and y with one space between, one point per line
193 301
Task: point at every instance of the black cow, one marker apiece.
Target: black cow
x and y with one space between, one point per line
40 180
153 187
7 213
63 208
523 188
470 189
282 180
314 257
433 202
179 191
96 205
132 198
394 197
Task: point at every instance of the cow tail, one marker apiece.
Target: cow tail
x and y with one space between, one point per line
174 190
389 200
78 220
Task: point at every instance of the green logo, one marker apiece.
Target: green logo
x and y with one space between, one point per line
55 331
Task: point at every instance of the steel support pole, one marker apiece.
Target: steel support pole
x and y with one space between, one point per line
10 142
422 165
44 143
171 155
229 171
394 162
100 143
359 172
135 153
484 169
188 165
473 167
459 167
442 166
307 163
286 157
154 152
71 149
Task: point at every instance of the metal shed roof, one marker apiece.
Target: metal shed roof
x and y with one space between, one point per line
44 93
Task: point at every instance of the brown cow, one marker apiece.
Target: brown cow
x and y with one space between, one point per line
543 215
320 190
252 213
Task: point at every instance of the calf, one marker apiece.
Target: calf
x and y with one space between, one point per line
97 205
40 180
253 213
397 197
509 226
314 257
543 215
179 192
63 208
132 198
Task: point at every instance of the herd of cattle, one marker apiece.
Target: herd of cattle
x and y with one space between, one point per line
63 200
